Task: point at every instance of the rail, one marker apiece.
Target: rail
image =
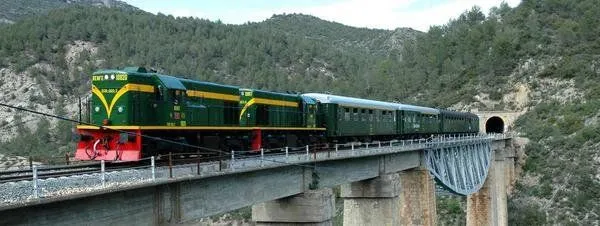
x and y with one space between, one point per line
44 182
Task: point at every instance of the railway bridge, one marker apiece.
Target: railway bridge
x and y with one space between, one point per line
382 183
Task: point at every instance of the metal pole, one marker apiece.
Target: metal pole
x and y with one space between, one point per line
170 165
262 157
67 156
80 116
367 145
30 162
35 182
286 154
379 144
353 146
102 169
232 159
198 163
336 148
307 150
153 166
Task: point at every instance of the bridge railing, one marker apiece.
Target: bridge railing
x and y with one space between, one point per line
170 166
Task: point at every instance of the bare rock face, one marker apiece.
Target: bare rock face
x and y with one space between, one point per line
33 89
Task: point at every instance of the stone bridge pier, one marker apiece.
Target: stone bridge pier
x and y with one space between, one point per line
406 197
313 207
488 206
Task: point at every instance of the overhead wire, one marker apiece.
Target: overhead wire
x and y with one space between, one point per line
108 128
142 135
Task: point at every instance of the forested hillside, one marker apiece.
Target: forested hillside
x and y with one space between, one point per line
56 52
541 58
14 10
548 50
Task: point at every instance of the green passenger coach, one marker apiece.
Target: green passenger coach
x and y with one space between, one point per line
348 118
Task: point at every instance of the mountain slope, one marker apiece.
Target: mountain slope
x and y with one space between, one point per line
13 10
62 48
547 54
371 41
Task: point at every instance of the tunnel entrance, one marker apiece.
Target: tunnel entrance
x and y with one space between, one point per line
494 125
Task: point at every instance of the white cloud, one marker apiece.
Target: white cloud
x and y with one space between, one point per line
385 14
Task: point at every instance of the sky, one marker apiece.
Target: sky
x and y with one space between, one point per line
382 14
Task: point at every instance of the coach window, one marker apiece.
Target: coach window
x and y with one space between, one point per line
371 115
363 115
347 114
354 114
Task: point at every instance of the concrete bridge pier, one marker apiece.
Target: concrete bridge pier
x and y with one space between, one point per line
488 206
313 207
372 202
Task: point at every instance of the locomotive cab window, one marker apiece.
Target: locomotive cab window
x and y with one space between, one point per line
175 96
159 93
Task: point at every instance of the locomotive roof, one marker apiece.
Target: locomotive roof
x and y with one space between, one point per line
208 83
364 103
271 94
171 82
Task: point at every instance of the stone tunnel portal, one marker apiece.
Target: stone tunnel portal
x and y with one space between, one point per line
494 124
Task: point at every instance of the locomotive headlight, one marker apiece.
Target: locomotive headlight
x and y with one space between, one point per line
112 77
105 77
96 109
120 109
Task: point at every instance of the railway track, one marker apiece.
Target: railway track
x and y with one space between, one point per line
169 160
60 171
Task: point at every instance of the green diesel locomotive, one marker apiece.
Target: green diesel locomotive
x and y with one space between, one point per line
134 111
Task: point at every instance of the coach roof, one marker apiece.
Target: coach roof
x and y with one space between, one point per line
364 103
352 102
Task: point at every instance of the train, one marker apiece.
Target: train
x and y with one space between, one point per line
134 113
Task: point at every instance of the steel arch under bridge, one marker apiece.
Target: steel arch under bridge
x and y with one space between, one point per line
460 163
